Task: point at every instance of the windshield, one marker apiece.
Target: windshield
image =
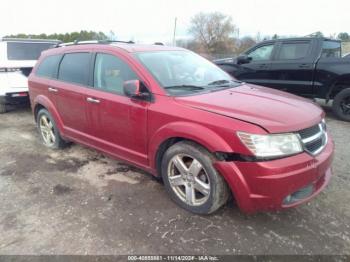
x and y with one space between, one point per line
26 51
184 72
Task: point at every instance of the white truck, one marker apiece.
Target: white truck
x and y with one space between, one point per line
17 58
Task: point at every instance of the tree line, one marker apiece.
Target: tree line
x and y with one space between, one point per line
211 34
67 37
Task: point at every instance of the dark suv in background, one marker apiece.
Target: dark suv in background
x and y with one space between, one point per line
309 67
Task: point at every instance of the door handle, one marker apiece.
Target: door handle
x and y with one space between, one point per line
53 90
304 66
263 66
92 100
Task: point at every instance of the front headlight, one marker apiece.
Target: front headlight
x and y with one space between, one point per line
275 145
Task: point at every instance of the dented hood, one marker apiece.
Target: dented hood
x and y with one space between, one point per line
273 110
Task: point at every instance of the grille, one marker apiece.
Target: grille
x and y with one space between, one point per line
314 138
305 133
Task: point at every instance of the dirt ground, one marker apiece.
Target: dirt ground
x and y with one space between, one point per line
77 201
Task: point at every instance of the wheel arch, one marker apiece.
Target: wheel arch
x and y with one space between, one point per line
180 131
340 83
41 102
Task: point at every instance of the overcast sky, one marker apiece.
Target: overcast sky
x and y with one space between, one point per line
153 20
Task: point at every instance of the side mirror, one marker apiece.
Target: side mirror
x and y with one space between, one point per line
243 59
132 89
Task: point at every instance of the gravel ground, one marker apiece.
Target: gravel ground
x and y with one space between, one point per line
77 201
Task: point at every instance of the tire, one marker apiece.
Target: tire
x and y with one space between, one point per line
2 108
191 180
341 105
49 133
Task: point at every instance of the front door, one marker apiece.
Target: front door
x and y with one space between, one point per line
120 123
257 71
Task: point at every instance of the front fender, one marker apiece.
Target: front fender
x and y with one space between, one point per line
48 104
191 131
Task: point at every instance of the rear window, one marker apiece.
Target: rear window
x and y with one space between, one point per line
26 51
331 49
48 67
290 51
74 68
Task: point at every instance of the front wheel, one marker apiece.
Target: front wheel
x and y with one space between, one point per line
191 180
341 105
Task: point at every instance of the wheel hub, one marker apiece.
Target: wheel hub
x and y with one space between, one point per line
189 180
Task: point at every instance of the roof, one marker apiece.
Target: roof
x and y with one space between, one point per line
129 46
300 39
133 48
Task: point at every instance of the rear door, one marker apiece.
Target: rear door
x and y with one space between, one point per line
69 92
293 67
257 71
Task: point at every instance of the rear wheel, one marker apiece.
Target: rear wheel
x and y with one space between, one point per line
191 180
341 105
48 130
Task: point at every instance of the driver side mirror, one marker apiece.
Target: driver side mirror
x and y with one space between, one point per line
243 59
132 89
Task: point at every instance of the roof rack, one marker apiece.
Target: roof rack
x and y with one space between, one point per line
87 42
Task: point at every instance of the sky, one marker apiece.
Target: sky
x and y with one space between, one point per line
153 20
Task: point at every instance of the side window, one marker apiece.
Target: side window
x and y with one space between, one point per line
291 51
111 72
331 49
74 68
262 53
48 67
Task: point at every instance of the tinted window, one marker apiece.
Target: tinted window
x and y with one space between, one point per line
26 51
290 51
48 67
331 49
111 72
261 53
74 68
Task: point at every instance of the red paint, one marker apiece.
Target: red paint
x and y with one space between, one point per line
133 130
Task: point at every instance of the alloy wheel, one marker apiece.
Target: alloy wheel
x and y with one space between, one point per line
47 130
345 105
189 179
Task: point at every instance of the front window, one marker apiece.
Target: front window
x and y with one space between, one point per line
331 49
185 73
262 53
26 51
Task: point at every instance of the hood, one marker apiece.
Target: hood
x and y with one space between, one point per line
273 110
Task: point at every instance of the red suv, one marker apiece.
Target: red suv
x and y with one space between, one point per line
178 116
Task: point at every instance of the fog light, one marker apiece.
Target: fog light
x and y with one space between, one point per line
299 195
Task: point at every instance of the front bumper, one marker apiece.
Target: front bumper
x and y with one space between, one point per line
276 184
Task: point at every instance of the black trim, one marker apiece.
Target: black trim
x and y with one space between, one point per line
231 157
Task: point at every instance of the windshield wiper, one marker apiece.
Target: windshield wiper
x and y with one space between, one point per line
192 87
223 82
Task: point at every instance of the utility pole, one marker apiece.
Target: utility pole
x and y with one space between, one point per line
174 36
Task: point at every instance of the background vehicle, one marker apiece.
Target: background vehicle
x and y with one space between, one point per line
310 67
17 58
178 116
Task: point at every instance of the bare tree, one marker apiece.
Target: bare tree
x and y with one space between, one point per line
244 44
213 31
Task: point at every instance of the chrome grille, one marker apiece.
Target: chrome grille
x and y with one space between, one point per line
314 139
